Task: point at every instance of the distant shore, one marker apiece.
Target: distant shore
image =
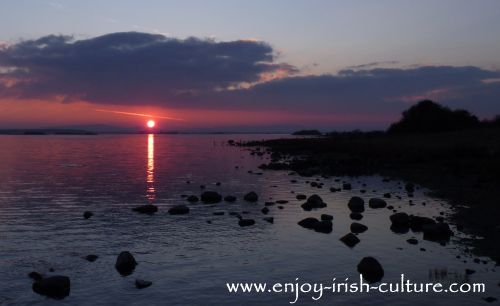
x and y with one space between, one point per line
462 167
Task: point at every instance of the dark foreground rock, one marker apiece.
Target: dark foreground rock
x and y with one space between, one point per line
56 287
35 275
251 197
178 210
314 201
230 198
326 217
358 228
146 209
356 204
141 284
91 257
308 222
350 240
125 263
246 222
192 199
269 219
439 232
377 203
324 226
211 197
356 216
371 269
88 214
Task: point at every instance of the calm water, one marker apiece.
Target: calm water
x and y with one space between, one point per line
46 182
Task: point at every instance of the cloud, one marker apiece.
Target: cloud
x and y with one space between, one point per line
150 69
132 67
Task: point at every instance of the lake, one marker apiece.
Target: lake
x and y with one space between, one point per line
47 182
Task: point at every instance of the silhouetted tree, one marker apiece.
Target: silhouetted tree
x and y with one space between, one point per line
428 116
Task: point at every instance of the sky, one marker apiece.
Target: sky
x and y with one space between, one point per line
244 65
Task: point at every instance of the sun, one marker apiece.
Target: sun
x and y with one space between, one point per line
151 124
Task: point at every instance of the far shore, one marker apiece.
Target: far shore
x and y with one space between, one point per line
462 167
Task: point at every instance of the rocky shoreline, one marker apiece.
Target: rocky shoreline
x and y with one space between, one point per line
461 167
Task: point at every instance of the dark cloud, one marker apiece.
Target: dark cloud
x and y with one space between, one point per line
139 68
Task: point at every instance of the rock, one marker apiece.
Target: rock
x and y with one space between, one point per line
326 217
324 226
308 222
358 228
251 197
301 196
401 219
211 197
387 195
346 186
270 203
416 222
91 257
146 209
377 203
35 276
56 286
410 187
265 210
350 240
125 263
218 213
312 202
87 214
490 299
282 201
178 210
246 222
439 232
140 283
371 269
230 198
192 199
356 216
412 241
268 219
356 204
469 271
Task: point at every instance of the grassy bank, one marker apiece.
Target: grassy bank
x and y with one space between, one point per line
462 167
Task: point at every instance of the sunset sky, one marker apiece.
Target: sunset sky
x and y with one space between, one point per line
244 65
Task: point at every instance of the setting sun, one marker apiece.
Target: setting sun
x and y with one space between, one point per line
151 124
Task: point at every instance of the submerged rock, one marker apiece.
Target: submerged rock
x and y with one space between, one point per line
358 228
350 240
246 222
192 199
301 196
57 286
211 197
377 203
230 198
178 210
356 204
146 209
308 222
265 210
35 275
140 283
371 269
91 257
268 219
88 214
251 197
314 201
125 263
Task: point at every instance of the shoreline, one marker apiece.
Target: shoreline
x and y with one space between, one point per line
462 168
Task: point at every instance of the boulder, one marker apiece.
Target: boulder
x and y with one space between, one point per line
178 210
400 219
356 216
146 209
312 202
251 197
350 240
324 226
356 204
140 283
308 222
417 222
230 198
437 232
87 214
56 286
211 197
125 263
246 222
326 217
91 257
357 228
377 203
192 199
371 269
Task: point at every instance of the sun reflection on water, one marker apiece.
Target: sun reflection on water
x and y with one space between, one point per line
150 191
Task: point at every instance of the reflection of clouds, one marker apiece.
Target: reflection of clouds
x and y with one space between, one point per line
150 192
